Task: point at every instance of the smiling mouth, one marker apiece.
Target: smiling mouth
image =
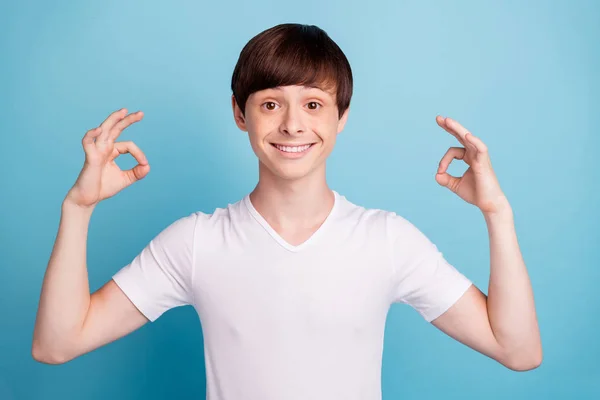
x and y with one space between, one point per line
292 149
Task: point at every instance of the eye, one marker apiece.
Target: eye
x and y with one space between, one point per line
313 105
269 105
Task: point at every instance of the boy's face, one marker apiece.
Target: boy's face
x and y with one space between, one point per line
292 129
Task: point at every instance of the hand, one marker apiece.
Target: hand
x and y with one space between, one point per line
101 177
478 185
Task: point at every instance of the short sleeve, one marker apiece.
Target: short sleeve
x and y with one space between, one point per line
160 276
423 278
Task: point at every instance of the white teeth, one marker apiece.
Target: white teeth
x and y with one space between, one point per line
294 149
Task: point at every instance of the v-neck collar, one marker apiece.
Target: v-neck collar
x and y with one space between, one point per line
286 245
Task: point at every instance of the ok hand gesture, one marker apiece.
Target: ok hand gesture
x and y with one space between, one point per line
100 177
478 185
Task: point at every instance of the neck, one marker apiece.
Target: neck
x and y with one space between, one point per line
290 204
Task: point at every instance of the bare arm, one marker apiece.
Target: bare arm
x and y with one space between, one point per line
70 321
504 324
510 302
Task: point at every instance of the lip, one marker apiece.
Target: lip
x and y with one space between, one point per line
293 155
293 144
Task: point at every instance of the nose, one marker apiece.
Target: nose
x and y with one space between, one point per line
292 123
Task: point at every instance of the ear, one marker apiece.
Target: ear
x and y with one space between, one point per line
342 121
238 115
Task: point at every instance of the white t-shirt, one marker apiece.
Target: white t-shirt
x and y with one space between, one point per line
284 322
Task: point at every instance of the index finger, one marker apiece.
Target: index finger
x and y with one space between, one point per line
133 149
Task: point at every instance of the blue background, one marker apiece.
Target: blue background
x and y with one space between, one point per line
524 78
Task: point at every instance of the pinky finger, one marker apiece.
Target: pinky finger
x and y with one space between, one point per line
90 136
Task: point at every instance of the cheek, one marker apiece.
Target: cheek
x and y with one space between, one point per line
259 126
326 128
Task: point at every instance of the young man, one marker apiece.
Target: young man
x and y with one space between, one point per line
293 282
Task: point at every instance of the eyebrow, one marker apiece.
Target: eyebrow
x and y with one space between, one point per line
305 87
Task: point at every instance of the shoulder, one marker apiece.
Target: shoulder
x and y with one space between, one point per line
385 221
209 227
188 224
385 227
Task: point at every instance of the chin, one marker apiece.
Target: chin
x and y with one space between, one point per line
292 172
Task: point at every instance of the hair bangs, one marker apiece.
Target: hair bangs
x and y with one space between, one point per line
292 54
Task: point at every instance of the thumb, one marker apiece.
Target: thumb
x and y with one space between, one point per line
447 180
136 173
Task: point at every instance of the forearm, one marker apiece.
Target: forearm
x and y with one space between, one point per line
510 300
65 294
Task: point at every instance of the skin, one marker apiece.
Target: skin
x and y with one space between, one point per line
502 325
294 198
292 195
71 322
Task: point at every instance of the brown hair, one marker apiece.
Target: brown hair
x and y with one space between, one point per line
292 54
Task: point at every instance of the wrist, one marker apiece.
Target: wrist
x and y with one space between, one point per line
68 205
501 212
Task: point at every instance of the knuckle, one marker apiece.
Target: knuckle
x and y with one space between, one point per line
115 131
